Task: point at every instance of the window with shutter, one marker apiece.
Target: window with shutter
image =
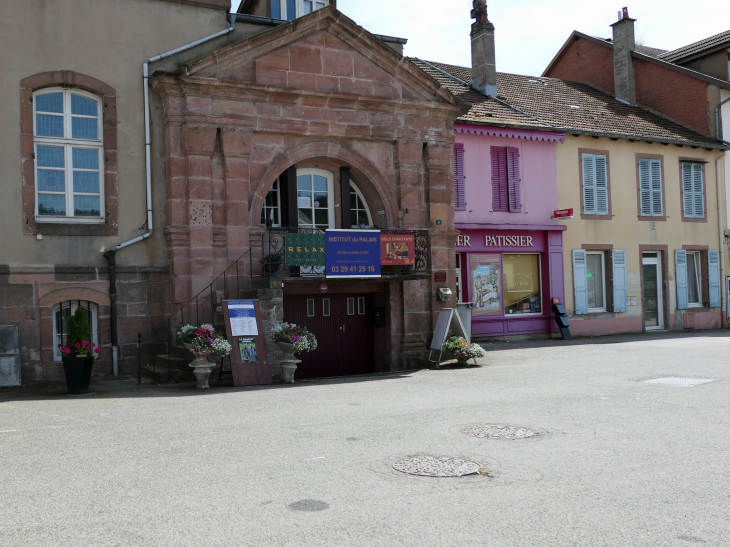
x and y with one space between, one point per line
595 184
580 282
620 296
693 195
650 187
713 274
515 181
680 270
459 178
499 179
601 185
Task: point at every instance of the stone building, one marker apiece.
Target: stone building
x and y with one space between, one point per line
130 211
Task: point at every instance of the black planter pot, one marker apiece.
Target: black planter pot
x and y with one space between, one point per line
78 373
271 267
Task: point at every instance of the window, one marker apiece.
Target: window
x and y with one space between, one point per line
315 199
650 188
350 306
61 313
272 207
310 307
595 184
291 9
596 281
359 212
68 156
694 286
521 284
693 195
459 290
459 178
361 305
326 307
506 182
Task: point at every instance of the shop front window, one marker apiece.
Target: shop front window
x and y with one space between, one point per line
521 284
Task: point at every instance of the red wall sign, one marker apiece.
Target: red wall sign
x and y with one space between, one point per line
323 288
397 250
563 213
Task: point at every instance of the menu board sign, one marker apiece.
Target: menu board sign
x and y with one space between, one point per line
245 332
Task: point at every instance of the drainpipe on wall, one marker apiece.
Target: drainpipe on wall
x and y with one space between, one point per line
111 254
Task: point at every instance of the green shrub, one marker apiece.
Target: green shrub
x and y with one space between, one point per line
79 329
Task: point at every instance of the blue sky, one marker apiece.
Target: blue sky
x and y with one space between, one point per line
530 32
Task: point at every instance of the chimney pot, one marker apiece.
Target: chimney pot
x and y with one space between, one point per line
483 66
624 74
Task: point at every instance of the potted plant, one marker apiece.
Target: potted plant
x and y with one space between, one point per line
272 262
463 350
291 339
202 342
78 353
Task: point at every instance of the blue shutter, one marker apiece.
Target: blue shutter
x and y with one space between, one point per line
713 272
680 264
619 280
580 282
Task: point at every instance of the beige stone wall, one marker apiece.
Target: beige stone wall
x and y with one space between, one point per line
107 40
625 229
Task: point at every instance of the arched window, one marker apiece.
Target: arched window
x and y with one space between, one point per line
61 313
272 206
359 211
315 199
68 141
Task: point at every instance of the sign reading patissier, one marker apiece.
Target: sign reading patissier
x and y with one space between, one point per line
497 241
353 253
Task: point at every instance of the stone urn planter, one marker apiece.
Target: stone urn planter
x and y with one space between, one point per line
289 361
78 374
202 368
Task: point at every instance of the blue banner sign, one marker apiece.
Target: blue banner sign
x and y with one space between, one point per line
353 253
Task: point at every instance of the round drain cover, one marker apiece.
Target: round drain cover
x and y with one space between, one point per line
429 466
500 432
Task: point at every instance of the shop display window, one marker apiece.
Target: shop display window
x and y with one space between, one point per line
522 293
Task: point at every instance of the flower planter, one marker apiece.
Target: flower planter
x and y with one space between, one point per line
271 267
78 374
289 361
202 369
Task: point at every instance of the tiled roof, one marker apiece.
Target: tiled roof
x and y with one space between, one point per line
559 105
698 47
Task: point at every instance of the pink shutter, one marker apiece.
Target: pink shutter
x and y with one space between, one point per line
459 194
513 172
499 179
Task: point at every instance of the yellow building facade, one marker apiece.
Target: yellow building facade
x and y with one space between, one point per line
645 249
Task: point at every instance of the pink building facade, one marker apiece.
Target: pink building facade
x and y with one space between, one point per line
510 250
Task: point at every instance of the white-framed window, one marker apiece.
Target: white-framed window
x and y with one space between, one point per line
595 184
326 309
272 206
350 306
596 281
315 199
310 307
69 156
459 289
693 195
359 210
61 312
361 305
694 279
291 9
650 187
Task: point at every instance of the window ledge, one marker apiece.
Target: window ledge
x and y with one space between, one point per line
70 229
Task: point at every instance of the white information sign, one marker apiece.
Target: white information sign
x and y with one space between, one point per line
243 318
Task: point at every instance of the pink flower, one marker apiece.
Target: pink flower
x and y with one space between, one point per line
78 345
84 343
59 345
97 350
66 351
92 344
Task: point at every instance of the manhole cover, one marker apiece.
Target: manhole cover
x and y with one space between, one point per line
675 381
500 432
429 466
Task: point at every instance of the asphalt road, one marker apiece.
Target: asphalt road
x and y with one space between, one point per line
621 462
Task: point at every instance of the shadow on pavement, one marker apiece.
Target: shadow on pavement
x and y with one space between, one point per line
597 340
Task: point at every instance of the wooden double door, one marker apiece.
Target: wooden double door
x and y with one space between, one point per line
343 325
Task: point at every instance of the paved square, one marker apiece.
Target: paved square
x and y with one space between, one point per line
619 462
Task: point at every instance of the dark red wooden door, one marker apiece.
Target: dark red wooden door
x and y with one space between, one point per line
343 325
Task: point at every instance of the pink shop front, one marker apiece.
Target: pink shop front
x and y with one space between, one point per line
511 274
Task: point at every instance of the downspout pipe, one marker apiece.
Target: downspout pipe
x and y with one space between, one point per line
717 121
111 254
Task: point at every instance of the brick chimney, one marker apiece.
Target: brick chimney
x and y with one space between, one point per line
624 75
483 68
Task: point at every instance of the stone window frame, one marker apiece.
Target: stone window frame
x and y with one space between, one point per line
108 97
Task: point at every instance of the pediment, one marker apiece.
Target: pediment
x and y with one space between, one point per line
326 52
